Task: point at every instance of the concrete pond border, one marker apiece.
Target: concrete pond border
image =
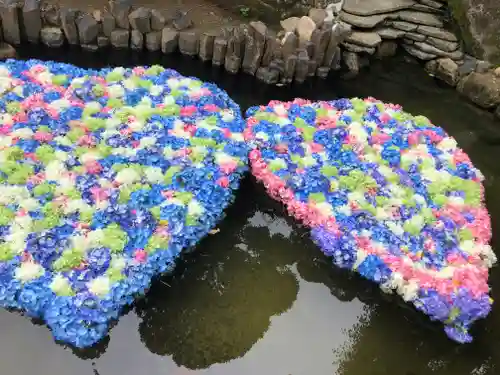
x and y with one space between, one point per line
343 35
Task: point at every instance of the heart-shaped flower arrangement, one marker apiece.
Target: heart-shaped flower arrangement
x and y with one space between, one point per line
105 177
386 194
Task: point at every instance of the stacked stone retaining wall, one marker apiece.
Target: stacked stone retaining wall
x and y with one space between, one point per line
345 34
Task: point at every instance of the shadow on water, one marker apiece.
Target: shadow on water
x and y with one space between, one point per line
258 298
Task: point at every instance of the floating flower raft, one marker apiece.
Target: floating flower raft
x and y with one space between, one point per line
106 176
386 194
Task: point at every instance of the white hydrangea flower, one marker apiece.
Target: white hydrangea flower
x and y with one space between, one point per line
136 125
55 170
360 257
238 137
112 124
395 228
63 141
262 136
29 204
168 100
100 286
344 209
409 291
60 104
129 84
28 271
59 284
4 72
156 90
127 176
61 155
23 133
227 115
75 205
447 144
154 174
5 141
95 237
195 208
115 91
147 142
173 83
325 208
221 158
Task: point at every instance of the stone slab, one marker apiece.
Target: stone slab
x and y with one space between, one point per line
368 8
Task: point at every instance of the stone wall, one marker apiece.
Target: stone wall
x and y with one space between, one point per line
346 34
308 48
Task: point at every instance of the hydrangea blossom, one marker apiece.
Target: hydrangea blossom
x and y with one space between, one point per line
105 177
386 194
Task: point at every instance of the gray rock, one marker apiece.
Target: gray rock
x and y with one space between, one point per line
364 38
497 112
252 56
120 11
447 71
103 41
418 53
289 44
468 66
357 48
169 40
385 49
482 89
232 64
10 24
220 48
318 16
7 51
321 38
52 37
236 43
479 22
50 14
305 28
483 66
408 41
182 21
290 65
206 49
415 36
368 8
312 67
120 38
425 47
290 24
420 18
158 20
140 19
153 41
88 29
189 42
437 32
272 50
432 3
302 66
323 72
351 60
390 33
136 39
443 45
68 23
278 65
363 21
405 26
259 31
31 20
340 32
91 47
267 75
430 67
108 23
337 59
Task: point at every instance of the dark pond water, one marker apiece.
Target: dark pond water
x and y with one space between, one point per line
258 298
